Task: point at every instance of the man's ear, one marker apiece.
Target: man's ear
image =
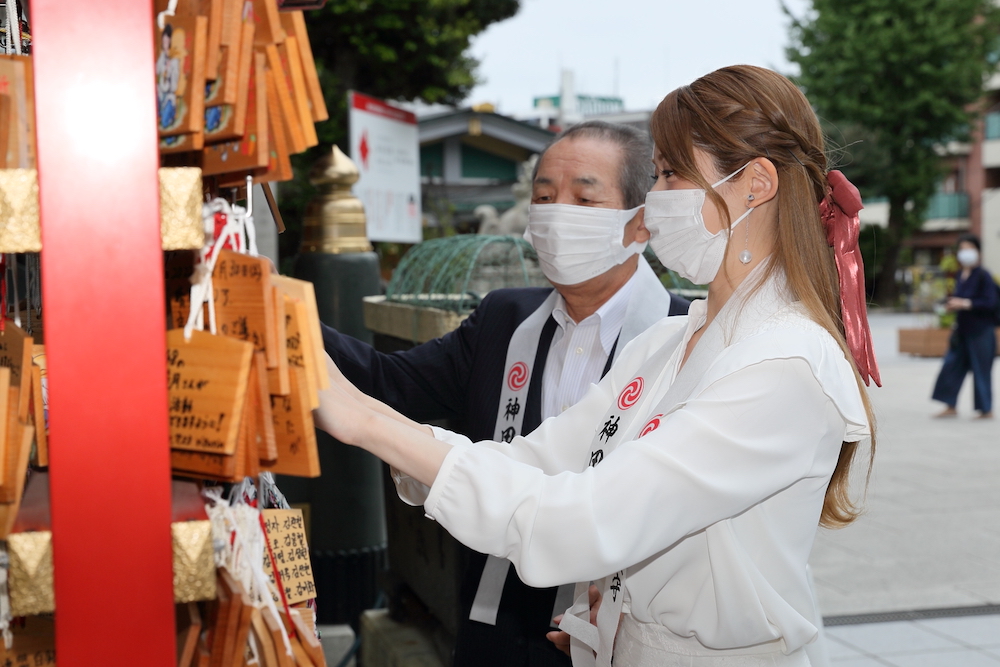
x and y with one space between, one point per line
763 180
636 228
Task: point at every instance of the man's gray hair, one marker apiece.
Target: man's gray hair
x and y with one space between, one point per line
636 154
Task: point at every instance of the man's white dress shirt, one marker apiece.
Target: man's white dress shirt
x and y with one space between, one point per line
580 351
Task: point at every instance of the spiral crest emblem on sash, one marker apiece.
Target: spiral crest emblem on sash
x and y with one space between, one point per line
517 377
651 425
630 394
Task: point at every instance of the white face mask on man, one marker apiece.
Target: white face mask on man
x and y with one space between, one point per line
577 243
678 234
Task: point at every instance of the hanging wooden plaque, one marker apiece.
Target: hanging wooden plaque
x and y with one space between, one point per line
211 10
180 75
232 18
251 151
286 107
294 432
244 302
206 384
188 623
15 354
303 290
279 166
13 86
291 66
178 267
274 630
33 645
225 112
299 346
278 378
295 24
182 143
265 645
286 533
267 447
5 397
269 30
40 415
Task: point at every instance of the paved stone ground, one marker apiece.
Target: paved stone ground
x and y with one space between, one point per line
931 535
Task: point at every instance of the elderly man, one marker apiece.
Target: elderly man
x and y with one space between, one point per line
528 354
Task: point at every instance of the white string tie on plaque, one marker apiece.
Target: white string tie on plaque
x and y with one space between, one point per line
238 543
239 234
171 10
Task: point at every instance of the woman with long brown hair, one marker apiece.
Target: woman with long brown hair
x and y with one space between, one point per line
688 484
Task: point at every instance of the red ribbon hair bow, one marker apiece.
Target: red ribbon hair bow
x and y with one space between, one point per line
839 212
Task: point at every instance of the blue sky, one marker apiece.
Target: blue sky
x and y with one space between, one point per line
654 46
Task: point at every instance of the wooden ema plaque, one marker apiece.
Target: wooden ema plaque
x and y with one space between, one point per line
212 11
15 354
279 165
250 150
294 23
299 346
294 432
277 378
16 126
188 623
15 464
244 302
34 644
287 536
243 462
303 290
206 383
226 119
39 408
291 67
269 30
286 105
180 75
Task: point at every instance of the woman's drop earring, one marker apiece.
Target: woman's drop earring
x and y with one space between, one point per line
745 256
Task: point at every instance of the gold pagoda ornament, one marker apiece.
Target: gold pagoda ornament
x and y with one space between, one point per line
335 218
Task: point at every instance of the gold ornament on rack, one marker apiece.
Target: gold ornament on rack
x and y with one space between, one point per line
19 228
181 225
30 578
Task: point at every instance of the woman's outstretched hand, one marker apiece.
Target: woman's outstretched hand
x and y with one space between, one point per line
340 408
354 418
561 638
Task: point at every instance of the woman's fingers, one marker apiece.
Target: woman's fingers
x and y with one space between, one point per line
560 639
594 598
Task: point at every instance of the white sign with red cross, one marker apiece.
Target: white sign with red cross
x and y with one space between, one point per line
386 148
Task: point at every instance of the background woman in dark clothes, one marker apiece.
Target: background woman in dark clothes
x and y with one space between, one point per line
973 342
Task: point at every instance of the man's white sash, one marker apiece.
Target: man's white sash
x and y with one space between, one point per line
518 370
648 304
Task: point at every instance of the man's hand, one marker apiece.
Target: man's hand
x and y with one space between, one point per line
560 638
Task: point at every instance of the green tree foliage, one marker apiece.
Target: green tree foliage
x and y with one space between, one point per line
391 49
909 72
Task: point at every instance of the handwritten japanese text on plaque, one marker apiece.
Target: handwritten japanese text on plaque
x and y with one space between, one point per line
287 535
206 384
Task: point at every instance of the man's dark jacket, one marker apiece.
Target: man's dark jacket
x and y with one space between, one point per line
459 377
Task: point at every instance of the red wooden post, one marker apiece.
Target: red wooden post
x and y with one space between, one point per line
104 331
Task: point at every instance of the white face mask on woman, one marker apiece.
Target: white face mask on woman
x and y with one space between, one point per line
968 257
577 243
678 234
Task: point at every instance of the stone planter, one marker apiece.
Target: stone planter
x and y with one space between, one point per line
928 342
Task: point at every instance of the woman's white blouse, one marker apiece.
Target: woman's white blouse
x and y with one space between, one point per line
713 514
